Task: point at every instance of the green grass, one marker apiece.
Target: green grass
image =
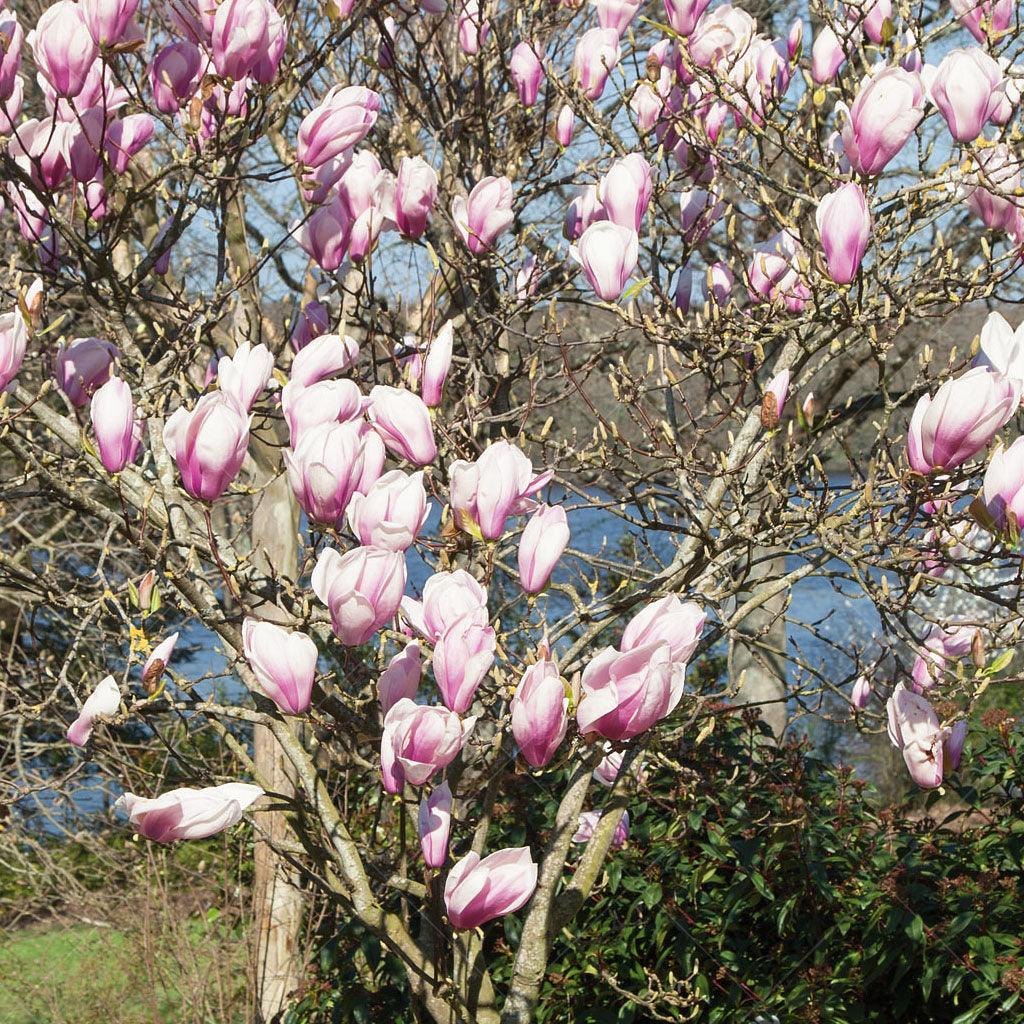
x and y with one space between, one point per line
58 974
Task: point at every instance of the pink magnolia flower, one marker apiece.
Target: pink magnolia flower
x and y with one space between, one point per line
367 192
158 660
497 485
474 28
323 357
967 89
775 275
313 321
588 824
188 813
245 375
616 14
888 107
331 463
1003 489
608 254
584 210
564 125
208 443
391 512
11 38
463 655
447 597
419 741
995 199
477 891
871 16
597 53
961 419
717 284
362 589
108 20
721 39
485 214
174 75
625 191
324 236
915 730
82 366
939 646
117 427
541 546
104 701
682 293
624 694
283 662
827 55
844 226
241 36
611 764
415 194
646 103
63 48
326 401
527 72
342 119
1002 347
986 20
126 137
403 423
434 824
540 712
436 365
13 343
401 679
860 696
667 620
683 15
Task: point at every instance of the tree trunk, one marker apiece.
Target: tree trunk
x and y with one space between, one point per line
277 897
757 666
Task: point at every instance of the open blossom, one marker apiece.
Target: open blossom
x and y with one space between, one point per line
362 589
326 401
540 712
844 226
625 191
63 48
774 272
474 28
103 701
188 813
447 597
485 214
434 824
609 767
588 825
392 512
624 694
928 748
985 19
174 75
245 374
960 419
939 646
322 357
477 891
683 15
499 484
1002 347
208 443
401 678
284 663
418 741
995 199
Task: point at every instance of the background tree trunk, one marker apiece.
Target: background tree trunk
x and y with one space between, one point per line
757 666
277 896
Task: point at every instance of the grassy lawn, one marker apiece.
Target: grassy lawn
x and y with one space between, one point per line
60 974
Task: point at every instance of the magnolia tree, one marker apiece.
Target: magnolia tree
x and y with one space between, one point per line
342 342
